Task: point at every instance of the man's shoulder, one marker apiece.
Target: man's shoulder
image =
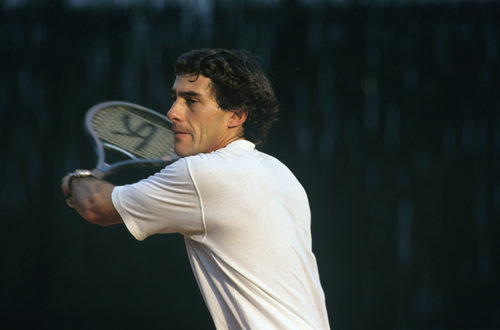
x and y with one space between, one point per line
240 150
219 159
239 161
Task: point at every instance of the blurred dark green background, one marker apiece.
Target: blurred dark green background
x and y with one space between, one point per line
390 119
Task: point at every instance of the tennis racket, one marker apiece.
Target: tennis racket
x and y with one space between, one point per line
129 136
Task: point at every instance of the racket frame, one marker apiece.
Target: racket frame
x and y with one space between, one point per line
104 169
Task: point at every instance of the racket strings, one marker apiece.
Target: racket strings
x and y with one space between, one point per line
136 132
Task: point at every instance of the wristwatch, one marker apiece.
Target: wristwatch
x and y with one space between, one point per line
78 175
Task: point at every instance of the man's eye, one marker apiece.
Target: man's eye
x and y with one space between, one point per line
190 100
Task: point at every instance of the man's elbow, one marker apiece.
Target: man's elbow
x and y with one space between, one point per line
102 219
102 214
96 219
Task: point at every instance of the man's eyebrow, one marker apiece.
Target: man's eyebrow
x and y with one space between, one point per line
186 93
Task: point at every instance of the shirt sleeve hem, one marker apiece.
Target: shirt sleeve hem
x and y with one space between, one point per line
127 220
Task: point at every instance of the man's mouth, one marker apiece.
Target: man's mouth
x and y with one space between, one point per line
179 133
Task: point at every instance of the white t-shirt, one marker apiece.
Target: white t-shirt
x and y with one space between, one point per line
246 223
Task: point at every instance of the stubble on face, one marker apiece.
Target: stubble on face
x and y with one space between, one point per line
200 125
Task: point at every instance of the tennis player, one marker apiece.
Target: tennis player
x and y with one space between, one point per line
244 215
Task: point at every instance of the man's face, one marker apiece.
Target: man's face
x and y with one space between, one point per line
200 126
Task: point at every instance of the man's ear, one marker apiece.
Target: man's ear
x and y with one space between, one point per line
237 118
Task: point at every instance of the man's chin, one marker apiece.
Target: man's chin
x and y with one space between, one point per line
181 152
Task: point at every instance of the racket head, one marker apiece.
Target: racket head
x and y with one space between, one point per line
129 135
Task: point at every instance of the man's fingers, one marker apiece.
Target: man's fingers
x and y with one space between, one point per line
69 201
64 184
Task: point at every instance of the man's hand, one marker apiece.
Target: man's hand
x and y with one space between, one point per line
90 197
67 180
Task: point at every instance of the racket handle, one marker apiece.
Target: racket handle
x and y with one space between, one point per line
98 173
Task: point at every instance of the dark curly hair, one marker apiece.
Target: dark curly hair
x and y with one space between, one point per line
238 82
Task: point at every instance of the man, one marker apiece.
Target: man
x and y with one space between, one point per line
244 216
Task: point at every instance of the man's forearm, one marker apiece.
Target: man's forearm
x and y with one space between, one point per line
91 198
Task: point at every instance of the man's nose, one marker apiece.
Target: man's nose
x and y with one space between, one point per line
173 112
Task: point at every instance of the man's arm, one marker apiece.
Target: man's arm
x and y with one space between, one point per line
91 198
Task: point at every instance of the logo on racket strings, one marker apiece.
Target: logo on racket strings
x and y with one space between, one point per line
143 131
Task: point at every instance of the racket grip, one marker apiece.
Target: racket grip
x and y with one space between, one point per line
98 173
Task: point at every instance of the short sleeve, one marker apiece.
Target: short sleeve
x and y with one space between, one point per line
166 202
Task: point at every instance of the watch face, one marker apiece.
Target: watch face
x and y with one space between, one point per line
78 175
81 174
